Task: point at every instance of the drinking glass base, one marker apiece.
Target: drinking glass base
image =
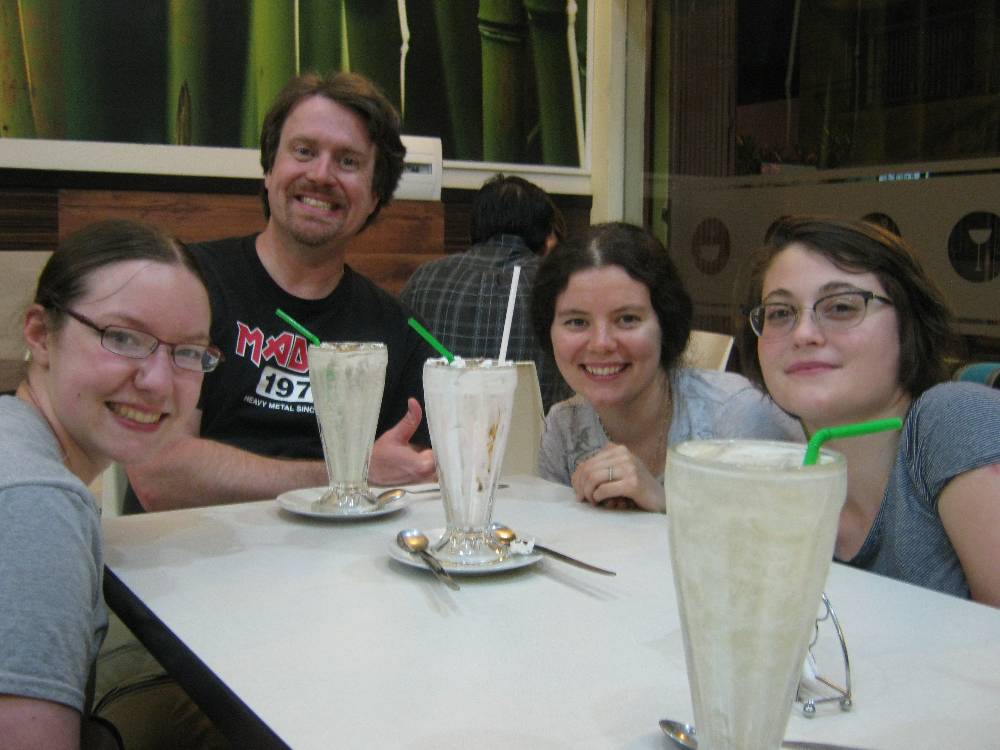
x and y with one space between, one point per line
468 547
347 498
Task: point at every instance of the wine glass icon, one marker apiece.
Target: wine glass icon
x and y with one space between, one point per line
980 236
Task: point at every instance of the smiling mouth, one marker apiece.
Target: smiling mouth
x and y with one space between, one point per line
808 368
136 415
316 203
603 371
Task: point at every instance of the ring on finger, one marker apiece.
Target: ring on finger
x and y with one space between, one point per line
611 473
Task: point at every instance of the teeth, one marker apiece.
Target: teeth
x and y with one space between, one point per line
605 370
316 203
143 417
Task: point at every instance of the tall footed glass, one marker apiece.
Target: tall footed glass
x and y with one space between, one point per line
469 404
752 533
347 380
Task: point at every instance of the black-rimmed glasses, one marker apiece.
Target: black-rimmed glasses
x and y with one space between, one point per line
127 342
834 312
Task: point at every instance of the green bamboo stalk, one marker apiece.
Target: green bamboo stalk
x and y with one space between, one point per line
320 27
16 120
547 27
502 33
188 109
463 82
43 57
374 42
270 61
80 30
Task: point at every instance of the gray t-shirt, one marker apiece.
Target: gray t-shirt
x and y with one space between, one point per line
52 613
951 429
706 404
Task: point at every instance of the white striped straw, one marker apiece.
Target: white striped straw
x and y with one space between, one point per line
510 313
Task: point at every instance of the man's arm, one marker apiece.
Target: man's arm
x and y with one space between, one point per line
194 471
33 724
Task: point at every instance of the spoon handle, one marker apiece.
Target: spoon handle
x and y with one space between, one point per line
573 561
437 570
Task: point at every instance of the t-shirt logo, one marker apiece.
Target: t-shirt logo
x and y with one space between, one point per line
284 384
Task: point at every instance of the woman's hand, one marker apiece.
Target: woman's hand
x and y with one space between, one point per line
614 478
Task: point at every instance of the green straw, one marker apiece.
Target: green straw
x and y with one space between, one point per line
312 337
430 339
845 431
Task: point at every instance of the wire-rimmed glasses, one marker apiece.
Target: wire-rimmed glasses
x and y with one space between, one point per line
833 312
128 342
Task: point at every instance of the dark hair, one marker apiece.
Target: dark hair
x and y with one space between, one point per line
506 204
926 335
356 93
641 256
65 277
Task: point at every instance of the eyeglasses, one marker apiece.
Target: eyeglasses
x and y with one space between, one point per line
834 312
127 342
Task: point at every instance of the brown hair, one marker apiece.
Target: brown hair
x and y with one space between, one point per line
637 252
65 276
926 334
356 93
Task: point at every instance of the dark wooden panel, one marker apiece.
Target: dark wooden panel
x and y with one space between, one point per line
403 226
28 219
188 216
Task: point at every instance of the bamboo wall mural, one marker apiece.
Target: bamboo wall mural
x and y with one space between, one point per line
496 80
187 94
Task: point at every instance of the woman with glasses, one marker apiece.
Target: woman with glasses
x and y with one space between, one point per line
117 337
844 326
609 305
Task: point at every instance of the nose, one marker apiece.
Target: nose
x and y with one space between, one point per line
321 169
155 373
602 338
806 330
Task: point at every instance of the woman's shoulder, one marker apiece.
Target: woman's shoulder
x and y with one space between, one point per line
946 410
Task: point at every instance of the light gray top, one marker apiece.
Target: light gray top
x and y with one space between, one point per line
951 429
706 404
52 613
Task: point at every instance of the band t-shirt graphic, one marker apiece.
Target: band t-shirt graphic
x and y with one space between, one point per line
259 398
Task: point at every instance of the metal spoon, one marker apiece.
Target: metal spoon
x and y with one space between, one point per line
416 542
506 535
389 496
683 735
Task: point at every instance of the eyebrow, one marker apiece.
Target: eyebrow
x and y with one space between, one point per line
127 321
831 287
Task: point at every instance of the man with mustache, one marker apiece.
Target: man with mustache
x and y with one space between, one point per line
332 158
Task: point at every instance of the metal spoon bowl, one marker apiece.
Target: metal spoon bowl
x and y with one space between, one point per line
389 496
505 535
416 542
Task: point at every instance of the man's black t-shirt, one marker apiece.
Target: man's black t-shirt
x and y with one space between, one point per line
259 398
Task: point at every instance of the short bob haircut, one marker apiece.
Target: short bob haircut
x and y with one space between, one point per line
926 334
507 204
356 93
65 277
641 256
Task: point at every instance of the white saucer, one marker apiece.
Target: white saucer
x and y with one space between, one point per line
511 562
303 503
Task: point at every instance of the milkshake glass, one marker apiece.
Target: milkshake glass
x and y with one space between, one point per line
347 379
469 404
751 540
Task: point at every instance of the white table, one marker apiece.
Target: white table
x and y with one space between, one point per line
304 632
